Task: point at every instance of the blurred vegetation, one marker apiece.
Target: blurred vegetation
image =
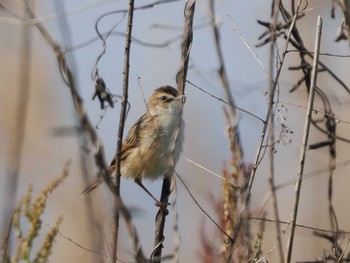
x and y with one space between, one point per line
26 225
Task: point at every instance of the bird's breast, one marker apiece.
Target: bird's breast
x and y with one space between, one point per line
157 150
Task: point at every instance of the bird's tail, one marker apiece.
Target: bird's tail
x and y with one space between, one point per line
92 186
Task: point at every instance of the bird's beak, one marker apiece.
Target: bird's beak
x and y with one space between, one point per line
181 98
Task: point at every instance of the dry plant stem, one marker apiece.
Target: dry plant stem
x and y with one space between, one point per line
15 149
263 134
181 81
332 214
96 236
81 246
202 209
139 256
314 229
225 102
303 50
275 83
6 239
186 45
160 220
305 140
89 129
236 149
122 122
177 237
272 131
297 42
222 68
235 145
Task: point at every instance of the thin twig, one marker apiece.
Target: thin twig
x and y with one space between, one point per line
225 102
241 36
96 233
211 172
14 155
321 54
203 210
33 21
103 39
69 239
297 225
272 105
298 43
275 82
260 151
177 237
181 81
305 140
304 51
122 124
186 46
222 68
89 129
6 239
233 135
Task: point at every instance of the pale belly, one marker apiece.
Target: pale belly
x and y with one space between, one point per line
153 159
150 163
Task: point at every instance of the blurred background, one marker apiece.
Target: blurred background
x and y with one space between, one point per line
36 105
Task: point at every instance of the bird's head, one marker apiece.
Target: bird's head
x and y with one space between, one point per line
165 101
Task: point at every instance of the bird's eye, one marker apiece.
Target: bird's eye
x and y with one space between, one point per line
163 98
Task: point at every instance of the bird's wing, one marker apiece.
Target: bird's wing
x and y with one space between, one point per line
131 141
92 186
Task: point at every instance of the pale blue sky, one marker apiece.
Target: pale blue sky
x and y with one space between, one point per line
205 140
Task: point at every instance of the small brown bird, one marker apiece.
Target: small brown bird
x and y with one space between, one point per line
154 143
